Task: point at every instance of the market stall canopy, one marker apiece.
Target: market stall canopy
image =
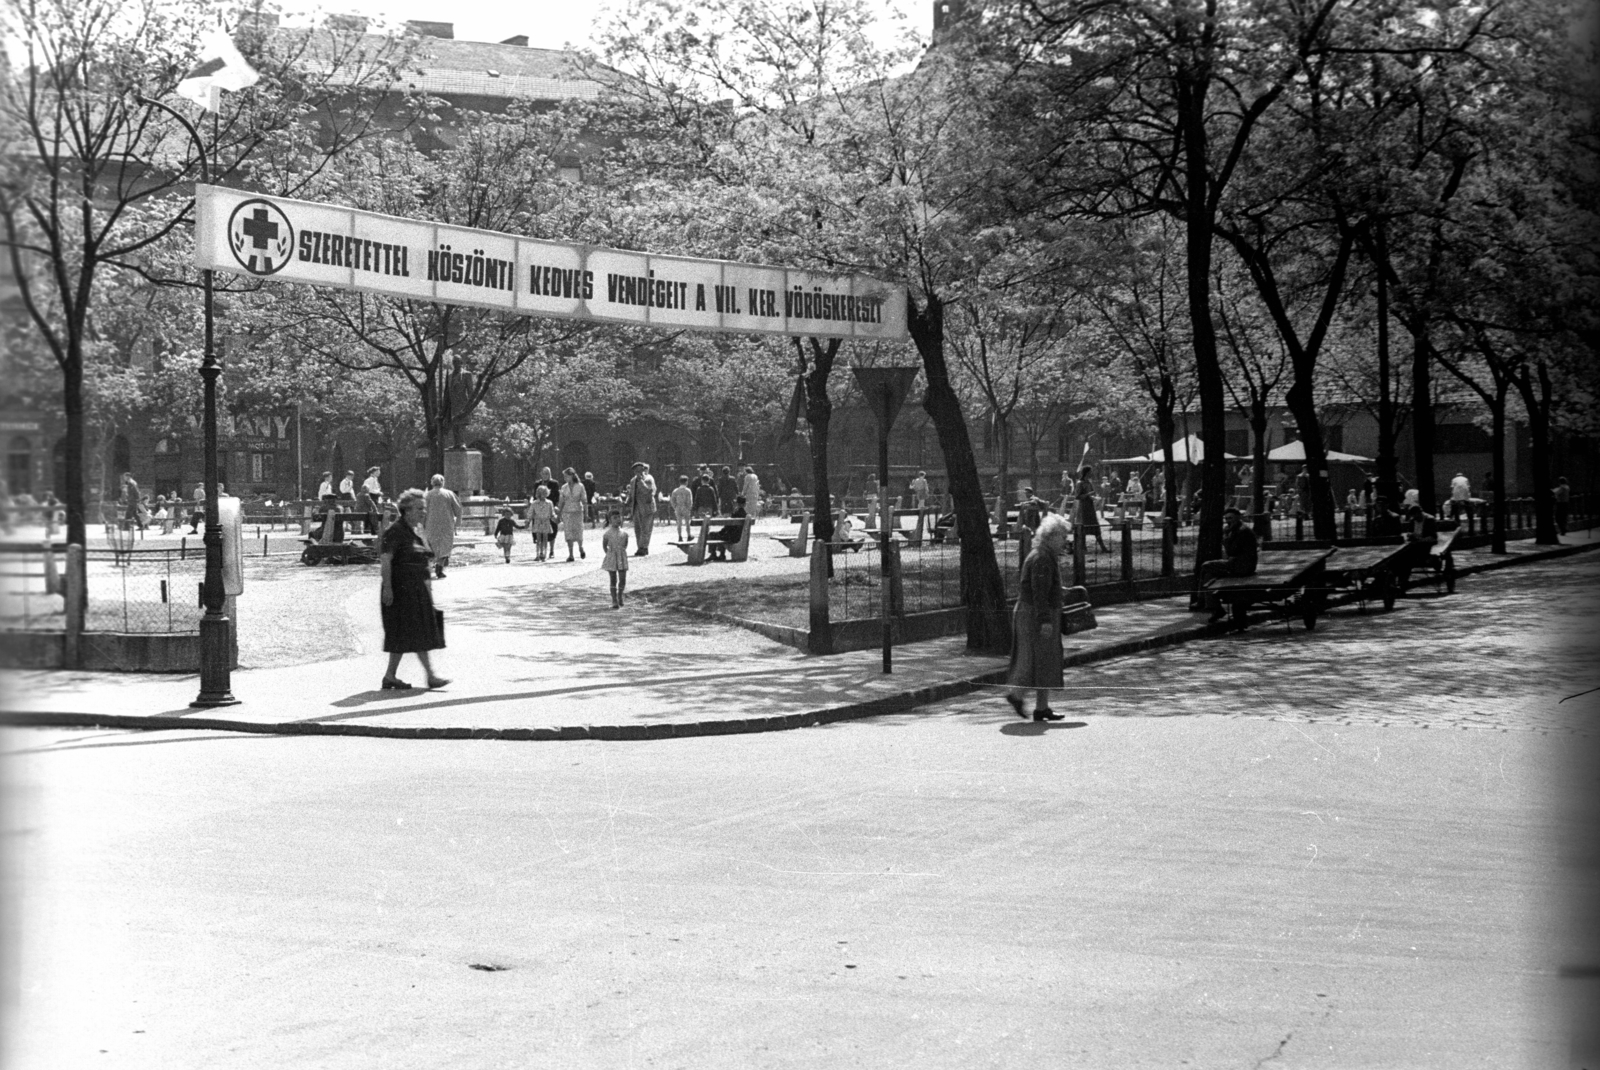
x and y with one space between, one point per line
1295 453
1182 451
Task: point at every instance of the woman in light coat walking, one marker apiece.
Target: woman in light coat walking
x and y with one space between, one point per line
444 513
574 510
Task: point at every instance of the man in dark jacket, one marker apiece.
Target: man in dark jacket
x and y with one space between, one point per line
1239 543
705 497
727 490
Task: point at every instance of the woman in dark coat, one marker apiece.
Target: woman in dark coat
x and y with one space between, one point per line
1036 622
410 625
1086 514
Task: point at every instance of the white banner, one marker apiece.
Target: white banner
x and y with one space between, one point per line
323 245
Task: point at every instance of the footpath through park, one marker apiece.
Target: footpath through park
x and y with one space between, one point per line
535 652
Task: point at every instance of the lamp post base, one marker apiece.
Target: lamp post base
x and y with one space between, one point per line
215 670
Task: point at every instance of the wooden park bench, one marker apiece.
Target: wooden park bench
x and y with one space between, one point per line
697 548
1290 578
338 546
908 527
799 545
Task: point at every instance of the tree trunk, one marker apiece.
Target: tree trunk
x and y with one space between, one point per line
1388 463
1498 411
1302 405
1199 217
982 587
1002 430
1258 460
1422 414
72 401
1167 427
819 414
1537 403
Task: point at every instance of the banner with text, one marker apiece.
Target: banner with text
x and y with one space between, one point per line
324 245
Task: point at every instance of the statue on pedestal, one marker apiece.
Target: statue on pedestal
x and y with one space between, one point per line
455 406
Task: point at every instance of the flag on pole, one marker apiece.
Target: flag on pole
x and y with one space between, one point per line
218 66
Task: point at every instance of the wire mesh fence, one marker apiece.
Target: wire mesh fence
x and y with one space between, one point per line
128 590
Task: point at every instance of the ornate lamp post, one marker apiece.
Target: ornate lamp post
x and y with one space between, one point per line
215 652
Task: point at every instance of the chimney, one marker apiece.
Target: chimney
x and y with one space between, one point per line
520 40
443 30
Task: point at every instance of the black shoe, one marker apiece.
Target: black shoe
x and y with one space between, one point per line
1016 704
1047 715
392 684
1217 618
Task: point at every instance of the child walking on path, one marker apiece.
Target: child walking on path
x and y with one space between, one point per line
541 521
615 544
505 531
682 505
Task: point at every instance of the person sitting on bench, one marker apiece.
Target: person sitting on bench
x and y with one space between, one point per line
718 541
1421 532
1239 543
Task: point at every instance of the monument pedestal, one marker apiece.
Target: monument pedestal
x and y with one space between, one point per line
463 472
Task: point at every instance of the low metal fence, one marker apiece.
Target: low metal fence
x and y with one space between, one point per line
136 590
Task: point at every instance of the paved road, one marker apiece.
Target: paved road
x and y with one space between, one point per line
1182 879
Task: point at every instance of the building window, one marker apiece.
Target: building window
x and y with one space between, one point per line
1063 446
19 465
1333 437
1236 442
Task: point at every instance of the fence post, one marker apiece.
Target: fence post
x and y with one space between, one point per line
1169 545
1127 551
1299 527
820 638
1349 523
895 594
1080 548
76 592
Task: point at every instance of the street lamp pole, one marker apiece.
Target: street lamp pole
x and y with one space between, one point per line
215 650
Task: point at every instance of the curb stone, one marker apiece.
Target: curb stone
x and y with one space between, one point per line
901 702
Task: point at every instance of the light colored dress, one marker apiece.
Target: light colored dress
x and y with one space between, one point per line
444 513
615 542
541 517
574 507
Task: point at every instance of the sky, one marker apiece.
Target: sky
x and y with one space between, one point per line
548 23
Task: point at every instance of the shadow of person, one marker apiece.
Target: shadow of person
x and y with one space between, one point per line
362 698
1038 728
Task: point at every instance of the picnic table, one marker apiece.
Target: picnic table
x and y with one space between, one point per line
1290 578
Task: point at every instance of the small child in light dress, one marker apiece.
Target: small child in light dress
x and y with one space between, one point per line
542 521
615 544
505 531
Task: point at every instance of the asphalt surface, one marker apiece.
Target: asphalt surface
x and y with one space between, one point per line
1357 847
